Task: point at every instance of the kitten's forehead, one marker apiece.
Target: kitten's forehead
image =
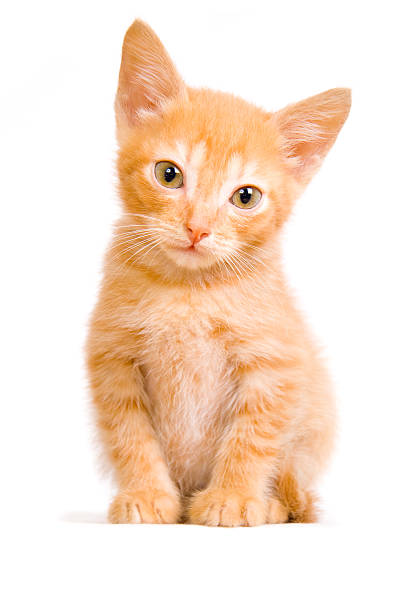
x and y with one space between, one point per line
239 169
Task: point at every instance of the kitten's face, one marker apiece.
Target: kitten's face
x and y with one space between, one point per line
207 179
202 184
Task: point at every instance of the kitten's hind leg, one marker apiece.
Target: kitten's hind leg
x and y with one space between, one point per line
277 512
301 504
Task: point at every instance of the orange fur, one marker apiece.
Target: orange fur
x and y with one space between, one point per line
206 382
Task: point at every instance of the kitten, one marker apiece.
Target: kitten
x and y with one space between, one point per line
210 397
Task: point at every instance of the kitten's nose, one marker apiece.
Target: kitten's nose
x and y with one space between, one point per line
196 232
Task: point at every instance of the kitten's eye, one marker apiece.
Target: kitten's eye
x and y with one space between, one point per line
246 197
169 175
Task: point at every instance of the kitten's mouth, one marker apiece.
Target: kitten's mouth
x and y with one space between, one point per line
193 249
190 256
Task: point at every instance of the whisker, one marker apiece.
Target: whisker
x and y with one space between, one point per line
140 250
125 237
142 227
132 236
134 243
151 218
229 260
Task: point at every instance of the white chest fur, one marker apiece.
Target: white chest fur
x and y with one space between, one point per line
188 382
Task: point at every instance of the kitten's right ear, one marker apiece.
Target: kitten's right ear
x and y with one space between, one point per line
147 76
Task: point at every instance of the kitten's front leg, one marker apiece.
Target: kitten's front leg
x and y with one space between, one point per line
237 494
146 491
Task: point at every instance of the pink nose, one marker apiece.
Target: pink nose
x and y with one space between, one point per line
196 233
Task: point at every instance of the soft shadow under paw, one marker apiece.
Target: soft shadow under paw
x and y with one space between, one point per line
83 517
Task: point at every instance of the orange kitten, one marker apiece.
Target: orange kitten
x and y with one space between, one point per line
210 397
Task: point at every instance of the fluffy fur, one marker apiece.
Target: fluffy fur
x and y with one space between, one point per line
210 397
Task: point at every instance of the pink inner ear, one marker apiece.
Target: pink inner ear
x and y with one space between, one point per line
310 127
147 75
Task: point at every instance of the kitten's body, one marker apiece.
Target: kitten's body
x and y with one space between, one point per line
204 376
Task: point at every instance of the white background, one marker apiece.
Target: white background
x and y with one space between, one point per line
349 257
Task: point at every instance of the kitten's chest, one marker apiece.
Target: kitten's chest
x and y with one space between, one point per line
181 354
188 381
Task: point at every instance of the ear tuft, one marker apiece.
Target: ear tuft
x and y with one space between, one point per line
147 76
309 129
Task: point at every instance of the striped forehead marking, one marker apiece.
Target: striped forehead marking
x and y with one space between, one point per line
196 160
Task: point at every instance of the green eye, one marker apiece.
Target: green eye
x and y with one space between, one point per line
168 174
246 197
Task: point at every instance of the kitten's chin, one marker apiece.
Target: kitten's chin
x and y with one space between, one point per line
191 258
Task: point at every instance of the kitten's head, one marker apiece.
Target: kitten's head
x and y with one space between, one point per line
206 178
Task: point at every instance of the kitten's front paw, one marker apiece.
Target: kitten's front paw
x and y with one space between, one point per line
144 506
227 508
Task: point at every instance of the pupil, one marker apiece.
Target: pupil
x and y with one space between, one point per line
245 195
170 174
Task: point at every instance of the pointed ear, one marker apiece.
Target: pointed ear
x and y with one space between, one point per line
147 75
309 129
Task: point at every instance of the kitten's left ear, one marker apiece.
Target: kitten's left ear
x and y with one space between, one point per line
147 76
309 128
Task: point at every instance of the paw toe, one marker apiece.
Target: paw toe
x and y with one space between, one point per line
144 507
